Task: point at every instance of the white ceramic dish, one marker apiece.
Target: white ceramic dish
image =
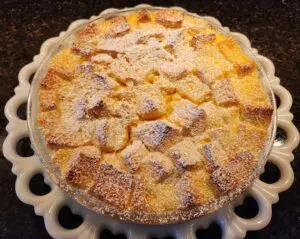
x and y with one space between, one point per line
232 225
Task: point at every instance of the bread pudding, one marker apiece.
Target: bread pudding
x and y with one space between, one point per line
153 115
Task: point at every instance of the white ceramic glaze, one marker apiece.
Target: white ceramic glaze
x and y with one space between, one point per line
232 225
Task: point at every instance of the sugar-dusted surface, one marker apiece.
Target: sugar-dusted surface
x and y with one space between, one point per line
45 26
175 49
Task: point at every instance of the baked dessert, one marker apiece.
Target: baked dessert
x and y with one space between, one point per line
154 116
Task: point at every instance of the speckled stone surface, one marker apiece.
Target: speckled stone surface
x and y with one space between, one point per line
272 26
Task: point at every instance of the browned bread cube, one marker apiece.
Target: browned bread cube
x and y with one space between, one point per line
97 107
158 135
223 93
189 116
84 167
64 136
200 39
86 39
150 103
51 80
133 155
166 86
104 83
111 134
185 154
192 88
143 15
239 168
124 110
113 186
224 179
254 111
173 71
187 194
119 26
169 18
160 165
215 154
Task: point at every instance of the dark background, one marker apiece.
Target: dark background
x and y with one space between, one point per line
273 28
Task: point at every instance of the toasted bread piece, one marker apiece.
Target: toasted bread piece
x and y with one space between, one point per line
239 168
119 26
211 68
113 186
143 15
166 86
257 111
62 157
83 167
150 103
104 82
193 89
223 93
48 100
158 135
124 94
187 192
161 166
185 154
86 39
97 107
189 116
51 80
124 110
224 179
66 136
111 134
173 71
200 39
146 37
215 154
169 18
133 155
64 63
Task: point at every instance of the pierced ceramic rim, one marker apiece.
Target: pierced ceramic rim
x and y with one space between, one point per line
232 225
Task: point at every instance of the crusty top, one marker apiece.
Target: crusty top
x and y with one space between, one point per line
154 111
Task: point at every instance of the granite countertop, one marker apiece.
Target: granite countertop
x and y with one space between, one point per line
272 26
